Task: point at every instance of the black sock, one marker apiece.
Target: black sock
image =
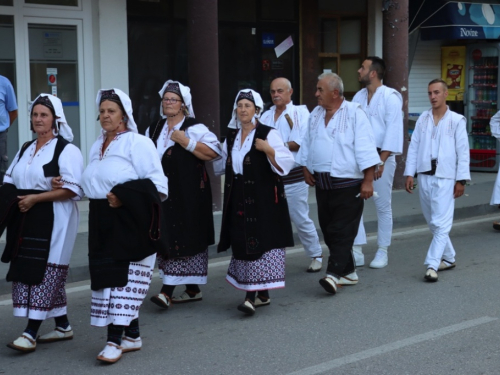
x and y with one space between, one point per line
115 334
62 321
251 296
168 290
132 330
192 289
264 294
33 327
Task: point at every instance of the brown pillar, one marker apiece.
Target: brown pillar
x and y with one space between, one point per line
309 51
395 46
203 69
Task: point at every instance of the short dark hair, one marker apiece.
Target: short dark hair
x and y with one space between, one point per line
439 80
378 65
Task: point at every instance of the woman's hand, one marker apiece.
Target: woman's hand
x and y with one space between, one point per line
179 136
263 145
27 201
57 183
113 200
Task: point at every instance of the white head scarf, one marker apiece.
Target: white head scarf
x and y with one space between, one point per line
235 123
62 126
127 106
185 95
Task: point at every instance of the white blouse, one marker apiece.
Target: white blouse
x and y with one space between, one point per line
27 172
283 157
129 156
198 133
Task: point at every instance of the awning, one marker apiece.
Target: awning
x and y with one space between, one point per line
441 19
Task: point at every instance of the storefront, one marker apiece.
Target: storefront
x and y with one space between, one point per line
69 48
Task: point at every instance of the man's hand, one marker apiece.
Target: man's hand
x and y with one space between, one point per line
309 177
366 191
113 200
409 184
378 172
458 191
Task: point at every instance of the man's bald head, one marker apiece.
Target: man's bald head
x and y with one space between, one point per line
281 92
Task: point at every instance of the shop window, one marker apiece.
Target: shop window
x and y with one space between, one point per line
343 48
7 3
279 10
237 11
8 70
67 3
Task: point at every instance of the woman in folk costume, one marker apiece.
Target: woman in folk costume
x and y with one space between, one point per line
255 222
184 145
124 169
42 224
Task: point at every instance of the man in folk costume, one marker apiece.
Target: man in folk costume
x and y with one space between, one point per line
383 106
439 153
291 121
339 158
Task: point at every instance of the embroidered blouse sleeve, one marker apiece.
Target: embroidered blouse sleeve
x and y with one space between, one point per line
393 138
283 157
71 169
299 131
146 163
201 133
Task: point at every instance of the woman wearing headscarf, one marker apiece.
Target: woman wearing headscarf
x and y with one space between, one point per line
124 181
41 224
184 145
255 219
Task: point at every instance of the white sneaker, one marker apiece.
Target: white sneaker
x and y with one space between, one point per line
111 353
359 257
445 265
431 275
315 265
131 345
351 279
381 260
58 334
329 284
24 343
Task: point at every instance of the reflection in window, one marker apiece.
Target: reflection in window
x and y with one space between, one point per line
67 3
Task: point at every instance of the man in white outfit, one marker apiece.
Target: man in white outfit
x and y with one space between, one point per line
339 156
383 106
439 153
291 121
495 197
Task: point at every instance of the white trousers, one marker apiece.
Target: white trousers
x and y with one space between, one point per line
297 195
438 205
383 204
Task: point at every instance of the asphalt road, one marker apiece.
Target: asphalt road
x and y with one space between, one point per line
392 322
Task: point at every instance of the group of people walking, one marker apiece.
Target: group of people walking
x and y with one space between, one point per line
150 197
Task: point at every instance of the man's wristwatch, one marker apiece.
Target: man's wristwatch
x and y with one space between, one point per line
287 145
463 182
381 164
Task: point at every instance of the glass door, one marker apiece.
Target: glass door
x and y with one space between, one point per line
55 67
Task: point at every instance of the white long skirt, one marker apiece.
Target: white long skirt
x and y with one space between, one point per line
119 306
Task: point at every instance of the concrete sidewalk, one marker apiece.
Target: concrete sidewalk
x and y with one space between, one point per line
406 213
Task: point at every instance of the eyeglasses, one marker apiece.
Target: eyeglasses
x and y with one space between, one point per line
171 100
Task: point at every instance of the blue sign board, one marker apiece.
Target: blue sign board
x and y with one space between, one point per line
268 40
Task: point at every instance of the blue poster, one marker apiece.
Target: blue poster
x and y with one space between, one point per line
268 40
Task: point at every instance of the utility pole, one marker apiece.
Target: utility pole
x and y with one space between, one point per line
395 47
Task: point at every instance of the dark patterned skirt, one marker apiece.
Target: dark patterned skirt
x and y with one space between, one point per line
45 300
267 272
121 305
181 271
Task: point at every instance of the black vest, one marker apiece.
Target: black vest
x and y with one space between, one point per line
51 169
188 208
267 221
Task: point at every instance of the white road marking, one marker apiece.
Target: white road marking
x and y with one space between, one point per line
339 362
